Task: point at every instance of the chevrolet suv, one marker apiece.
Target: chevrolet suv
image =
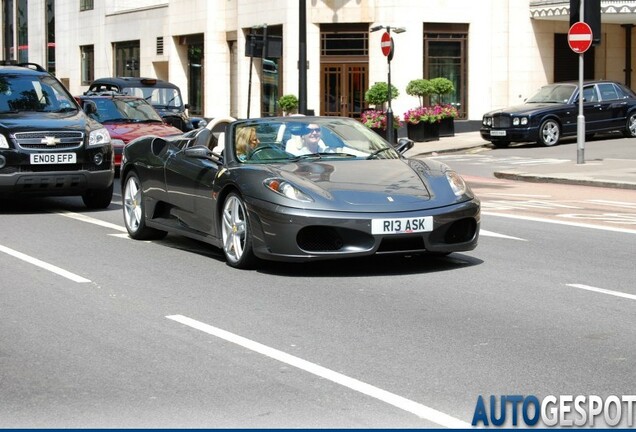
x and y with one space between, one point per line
48 145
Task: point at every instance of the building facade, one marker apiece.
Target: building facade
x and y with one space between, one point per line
496 52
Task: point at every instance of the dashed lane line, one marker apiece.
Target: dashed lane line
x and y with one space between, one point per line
46 266
400 402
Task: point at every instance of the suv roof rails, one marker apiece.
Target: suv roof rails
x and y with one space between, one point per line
33 66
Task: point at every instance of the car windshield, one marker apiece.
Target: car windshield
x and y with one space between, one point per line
33 93
159 97
307 139
555 93
124 110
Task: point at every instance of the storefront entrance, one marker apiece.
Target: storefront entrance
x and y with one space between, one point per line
343 86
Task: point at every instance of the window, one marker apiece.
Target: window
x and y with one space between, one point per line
86 5
23 31
445 55
88 63
608 91
344 40
126 58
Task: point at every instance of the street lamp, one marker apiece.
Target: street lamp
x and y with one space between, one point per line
389 57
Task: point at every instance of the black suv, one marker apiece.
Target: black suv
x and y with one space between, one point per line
164 96
48 145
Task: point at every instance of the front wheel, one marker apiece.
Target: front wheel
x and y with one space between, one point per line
236 231
549 133
135 212
98 198
630 126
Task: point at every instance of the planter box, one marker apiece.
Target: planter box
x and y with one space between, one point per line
447 127
382 133
423 131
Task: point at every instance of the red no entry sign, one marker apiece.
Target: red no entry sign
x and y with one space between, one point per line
386 44
580 37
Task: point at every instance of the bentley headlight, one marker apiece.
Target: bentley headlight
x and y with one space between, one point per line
286 189
515 121
524 121
98 137
456 182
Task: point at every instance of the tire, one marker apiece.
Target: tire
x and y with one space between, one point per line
630 126
135 211
98 198
500 144
549 133
236 233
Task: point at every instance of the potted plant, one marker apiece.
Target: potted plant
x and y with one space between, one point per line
440 88
420 88
376 119
423 122
378 94
288 103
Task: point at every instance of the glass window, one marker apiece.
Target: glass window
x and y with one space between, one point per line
608 91
126 58
23 31
50 36
86 5
88 62
446 56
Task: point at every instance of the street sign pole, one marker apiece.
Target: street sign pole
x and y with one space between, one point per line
580 120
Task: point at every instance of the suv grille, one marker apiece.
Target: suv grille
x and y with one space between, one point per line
57 140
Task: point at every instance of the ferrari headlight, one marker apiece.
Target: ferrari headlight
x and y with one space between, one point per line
456 182
98 137
286 189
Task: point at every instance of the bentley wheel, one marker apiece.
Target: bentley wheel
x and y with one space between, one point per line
134 212
549 133
630 126
236 232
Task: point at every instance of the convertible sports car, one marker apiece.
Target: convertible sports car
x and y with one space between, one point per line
295 189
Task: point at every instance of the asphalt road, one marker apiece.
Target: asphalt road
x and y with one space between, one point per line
99 330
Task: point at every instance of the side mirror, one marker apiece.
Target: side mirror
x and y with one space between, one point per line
403 145
90 108
202 152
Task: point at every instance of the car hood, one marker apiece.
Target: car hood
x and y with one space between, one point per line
393 185
27 121
129 131
527 108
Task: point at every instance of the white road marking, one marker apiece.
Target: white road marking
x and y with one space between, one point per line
603 291
516 195
418 409
44 265
621 204
483 232
91 220
558 222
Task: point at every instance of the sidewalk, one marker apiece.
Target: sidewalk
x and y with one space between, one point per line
614 173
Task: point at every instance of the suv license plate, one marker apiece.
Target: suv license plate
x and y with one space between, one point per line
497 133
402 225
53 158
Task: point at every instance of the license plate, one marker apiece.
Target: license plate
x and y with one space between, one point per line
53 158
402 226
497 133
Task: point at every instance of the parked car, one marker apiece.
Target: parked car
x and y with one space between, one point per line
552 113
357 196
125 118
48 145
164 96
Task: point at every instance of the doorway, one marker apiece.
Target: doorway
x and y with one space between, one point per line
343 87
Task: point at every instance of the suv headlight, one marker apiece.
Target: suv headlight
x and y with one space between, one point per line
3 142
98 137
